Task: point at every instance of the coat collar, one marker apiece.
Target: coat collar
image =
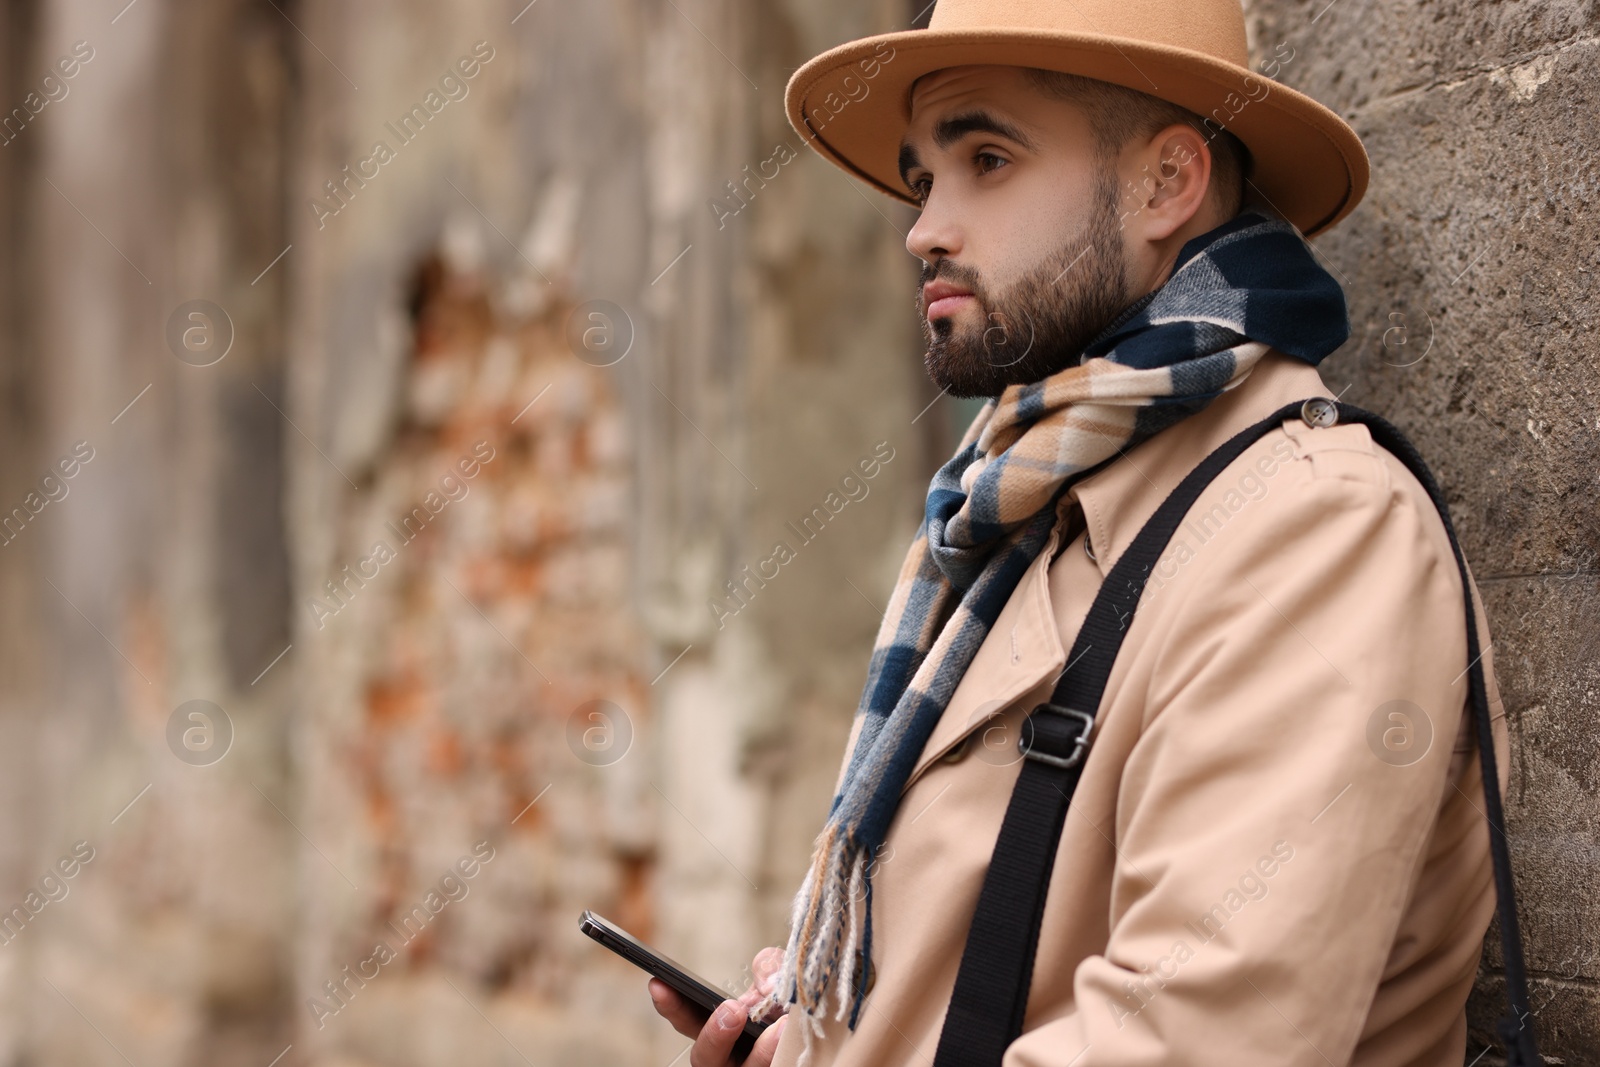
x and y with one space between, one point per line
1025 647
1117 499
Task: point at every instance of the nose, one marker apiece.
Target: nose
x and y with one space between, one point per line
934 235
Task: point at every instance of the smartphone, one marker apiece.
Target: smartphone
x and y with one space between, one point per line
690 986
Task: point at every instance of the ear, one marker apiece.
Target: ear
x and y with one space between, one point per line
1165 181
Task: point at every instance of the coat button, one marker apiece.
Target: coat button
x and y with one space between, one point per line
865 984
1319 411
956 754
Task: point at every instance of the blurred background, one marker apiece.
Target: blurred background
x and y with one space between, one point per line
402 407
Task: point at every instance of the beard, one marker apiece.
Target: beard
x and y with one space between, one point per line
1039 324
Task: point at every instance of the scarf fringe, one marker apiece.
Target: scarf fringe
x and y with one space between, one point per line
847 976
825 931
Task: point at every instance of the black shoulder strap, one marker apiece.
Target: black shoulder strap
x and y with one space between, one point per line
991 989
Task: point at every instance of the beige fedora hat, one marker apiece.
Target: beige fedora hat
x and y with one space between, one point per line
853 103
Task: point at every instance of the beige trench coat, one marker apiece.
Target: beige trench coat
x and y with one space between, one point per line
1277 853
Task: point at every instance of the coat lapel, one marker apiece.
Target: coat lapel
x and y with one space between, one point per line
1023 649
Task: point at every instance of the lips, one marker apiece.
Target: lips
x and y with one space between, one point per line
943 298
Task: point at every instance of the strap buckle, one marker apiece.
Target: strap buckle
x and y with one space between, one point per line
1077 737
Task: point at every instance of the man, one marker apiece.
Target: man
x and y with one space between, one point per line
1275 854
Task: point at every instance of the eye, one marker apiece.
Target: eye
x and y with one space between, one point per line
920 189
980 158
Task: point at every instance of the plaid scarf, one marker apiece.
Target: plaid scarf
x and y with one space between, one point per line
1246 286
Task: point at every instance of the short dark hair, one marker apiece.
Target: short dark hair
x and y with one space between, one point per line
1118 115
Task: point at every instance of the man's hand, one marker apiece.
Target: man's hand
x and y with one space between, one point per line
714 1038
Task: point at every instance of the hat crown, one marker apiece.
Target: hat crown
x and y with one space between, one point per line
1214 27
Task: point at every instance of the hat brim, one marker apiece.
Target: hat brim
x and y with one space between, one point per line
852 105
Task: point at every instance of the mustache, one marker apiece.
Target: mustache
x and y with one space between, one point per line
950 271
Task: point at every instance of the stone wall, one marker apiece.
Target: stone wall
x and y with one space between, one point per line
1470 269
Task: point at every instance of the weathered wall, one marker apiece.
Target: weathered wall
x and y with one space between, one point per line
153 571
651 466
549 659
1470 269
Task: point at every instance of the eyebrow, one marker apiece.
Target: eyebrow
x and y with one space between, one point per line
948 131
